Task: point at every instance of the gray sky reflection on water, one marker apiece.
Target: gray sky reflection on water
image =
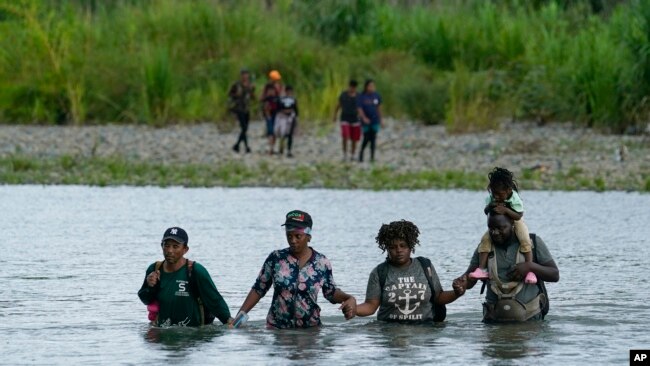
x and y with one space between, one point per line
77 255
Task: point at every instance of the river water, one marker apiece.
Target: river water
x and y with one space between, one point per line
74 257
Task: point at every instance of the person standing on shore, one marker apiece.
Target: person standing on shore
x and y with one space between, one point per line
275 79
273 90
270 106
241 94
369 108
286 120
350 124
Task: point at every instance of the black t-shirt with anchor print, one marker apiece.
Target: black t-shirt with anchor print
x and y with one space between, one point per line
406 296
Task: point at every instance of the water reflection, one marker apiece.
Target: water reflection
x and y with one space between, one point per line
403 336
182 339
299 344
50 317
513 340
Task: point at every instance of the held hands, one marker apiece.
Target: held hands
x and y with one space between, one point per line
153 278
463 282
500 209
459 286
349 308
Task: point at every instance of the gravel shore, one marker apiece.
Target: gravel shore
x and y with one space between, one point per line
402 147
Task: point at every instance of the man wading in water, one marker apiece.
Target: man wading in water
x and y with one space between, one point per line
508 298
178 291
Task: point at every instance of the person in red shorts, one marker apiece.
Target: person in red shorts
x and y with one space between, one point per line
350 124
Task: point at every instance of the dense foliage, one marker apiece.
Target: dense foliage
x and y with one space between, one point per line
463 63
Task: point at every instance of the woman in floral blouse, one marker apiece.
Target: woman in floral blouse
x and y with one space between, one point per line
297 274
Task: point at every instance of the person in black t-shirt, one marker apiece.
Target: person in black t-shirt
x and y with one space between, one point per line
240 95
286 119
350 124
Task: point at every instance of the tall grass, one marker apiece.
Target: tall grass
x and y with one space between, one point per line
464 63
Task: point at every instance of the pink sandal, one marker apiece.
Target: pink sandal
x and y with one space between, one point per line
530 278
153 309
479 274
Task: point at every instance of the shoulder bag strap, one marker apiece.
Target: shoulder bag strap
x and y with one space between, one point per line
439 311
540 283
194 289
382 273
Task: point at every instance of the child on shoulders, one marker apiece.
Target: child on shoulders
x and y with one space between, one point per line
504 199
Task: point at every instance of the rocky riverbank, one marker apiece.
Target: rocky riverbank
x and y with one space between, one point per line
556 156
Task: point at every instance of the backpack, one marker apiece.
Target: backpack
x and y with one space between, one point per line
206 316
439 311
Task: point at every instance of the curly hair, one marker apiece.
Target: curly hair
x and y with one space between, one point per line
501 178
402 229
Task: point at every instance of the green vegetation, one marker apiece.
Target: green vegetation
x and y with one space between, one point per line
462 63
20 169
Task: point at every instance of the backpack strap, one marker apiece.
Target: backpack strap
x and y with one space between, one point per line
194 289
382 272
504 290
439 311
540 283
190 268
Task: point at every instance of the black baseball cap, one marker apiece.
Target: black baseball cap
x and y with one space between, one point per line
297 218
176 234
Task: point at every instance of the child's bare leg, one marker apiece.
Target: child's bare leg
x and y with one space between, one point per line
528 256
521 231
530 277
484 249
525 247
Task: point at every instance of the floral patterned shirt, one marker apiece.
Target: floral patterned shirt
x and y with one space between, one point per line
295 289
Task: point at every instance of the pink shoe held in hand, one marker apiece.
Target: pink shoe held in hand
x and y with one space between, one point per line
153 309
479 274
530 278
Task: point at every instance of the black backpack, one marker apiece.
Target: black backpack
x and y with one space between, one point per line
439 311
206 316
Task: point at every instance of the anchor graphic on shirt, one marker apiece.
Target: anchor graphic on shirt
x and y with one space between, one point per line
407 297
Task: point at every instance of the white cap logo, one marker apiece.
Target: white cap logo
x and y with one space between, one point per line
173 231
